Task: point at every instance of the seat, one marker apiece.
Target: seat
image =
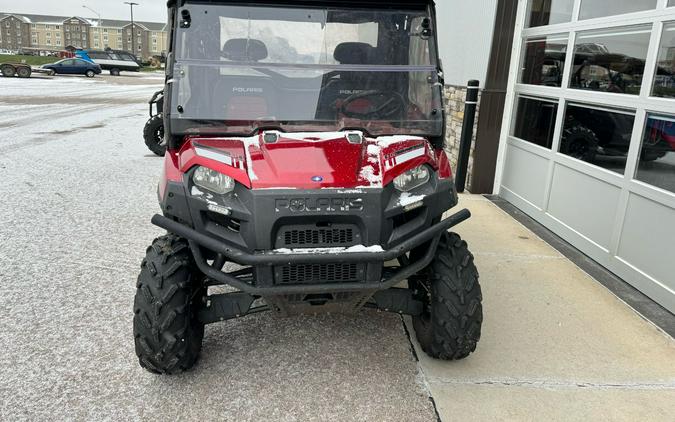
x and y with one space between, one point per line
342 84
238 95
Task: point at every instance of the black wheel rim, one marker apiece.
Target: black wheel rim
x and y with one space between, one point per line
578 149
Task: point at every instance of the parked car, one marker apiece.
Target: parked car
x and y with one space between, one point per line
114 61
5 52
74 67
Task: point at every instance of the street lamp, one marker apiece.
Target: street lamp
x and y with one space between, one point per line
133 30
95 12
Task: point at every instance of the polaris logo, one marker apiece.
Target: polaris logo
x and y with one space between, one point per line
319 204
350 91
242 90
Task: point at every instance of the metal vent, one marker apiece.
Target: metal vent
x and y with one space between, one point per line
319 237
319 273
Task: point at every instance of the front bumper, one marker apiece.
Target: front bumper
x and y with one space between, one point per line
267 230
430 236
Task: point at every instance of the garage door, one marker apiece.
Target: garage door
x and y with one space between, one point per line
589 148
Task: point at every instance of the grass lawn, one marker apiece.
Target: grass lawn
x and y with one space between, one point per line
30 60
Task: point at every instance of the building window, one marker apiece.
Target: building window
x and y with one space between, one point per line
49 42
154 40
140 48
544 60
664 82
600 136
96 44
599 8
58 27
119 40
34 41
549 12
535 120
58 35
611 60
657 153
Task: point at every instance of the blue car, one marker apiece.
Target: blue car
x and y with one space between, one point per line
74 67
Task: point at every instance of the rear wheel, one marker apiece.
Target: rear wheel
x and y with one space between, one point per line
153 133
167 335
90 73
8 70
115 72
579 142
23 72
450 326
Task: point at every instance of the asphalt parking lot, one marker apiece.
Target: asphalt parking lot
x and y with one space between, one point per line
78 191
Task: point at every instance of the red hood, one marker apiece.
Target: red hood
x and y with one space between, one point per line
310 160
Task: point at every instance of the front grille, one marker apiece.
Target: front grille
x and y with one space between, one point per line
319 273
319 237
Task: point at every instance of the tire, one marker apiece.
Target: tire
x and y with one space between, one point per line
450 326
579 142
167 335
23 72
114 72
153 133
90 74
8 70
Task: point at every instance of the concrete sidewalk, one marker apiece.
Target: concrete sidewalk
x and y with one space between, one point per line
556 345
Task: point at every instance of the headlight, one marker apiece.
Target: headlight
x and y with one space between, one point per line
412 179
213 181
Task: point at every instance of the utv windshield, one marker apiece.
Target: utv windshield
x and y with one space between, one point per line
238 69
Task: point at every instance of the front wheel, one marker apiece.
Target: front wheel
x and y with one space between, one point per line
114 72
167 334
450 326
90 73
153 133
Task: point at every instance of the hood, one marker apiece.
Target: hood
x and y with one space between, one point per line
276 160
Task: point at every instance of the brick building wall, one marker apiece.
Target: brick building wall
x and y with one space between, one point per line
454 109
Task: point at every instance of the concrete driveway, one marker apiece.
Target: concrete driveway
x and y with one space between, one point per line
556 344
77 194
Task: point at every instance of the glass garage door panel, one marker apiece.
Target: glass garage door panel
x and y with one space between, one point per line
657 153
599 8
544 60
535 121
664 82
550 12
599 136
611 60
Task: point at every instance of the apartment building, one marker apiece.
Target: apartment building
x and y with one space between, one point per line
54 33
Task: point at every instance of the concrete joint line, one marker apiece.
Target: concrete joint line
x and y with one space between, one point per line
559 384
518 256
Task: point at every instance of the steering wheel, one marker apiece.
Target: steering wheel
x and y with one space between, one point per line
384 105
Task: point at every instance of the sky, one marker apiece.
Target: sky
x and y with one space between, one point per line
148 10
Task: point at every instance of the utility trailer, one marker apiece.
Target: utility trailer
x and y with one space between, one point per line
21 70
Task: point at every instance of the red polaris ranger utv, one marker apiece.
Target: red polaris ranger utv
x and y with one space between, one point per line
305 169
